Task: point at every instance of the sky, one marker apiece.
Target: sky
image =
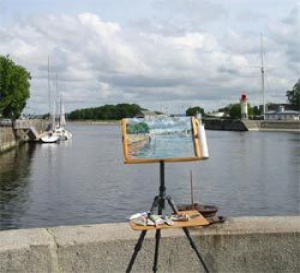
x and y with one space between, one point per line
164 55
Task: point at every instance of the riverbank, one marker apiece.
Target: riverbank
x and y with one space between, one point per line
96 122
10 138
244 244
251 125
7 139
227 124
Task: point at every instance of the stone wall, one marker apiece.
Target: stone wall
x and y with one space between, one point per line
10 137
224 124
280 125
7 139
246 244
251 125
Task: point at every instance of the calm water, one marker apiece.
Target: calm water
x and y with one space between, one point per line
84 181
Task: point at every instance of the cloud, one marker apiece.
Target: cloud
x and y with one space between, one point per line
286 33
179 59
191 14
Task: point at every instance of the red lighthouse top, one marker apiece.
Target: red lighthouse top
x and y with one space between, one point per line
244 97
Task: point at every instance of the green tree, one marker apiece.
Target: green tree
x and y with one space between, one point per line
235 110
193 111
225 110
14 88
256 111
107 112
294 96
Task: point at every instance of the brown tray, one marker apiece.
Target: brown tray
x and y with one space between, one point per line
197 220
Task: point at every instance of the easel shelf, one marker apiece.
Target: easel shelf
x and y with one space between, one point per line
195 219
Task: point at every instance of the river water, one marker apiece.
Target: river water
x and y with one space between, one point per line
84 181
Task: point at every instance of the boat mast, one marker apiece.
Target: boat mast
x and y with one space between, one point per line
49 102
53 117
262 74
56 83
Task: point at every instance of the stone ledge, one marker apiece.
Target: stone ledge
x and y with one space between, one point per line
244 244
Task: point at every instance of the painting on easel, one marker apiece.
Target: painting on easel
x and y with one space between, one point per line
168 139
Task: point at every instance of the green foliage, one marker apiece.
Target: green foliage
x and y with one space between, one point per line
235 110
107 112
14 88
141 127
193 111
256 111
225 110
294 96
251 111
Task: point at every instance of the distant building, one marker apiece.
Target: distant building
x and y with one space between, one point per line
277 106
147 114
217 114
282 114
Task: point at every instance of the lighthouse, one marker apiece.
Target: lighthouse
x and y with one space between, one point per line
244 106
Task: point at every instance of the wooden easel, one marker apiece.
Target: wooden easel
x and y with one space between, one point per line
159 203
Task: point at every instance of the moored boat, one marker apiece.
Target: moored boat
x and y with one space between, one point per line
60 130
62 134
49 137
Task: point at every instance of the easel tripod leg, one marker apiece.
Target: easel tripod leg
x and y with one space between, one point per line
154 204
172 204
157 240
187 233
137 248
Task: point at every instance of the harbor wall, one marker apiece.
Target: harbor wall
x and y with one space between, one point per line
7 139
244 244
280 125
11 136
225 124
251 125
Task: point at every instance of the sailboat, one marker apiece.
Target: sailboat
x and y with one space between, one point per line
60 130
48 136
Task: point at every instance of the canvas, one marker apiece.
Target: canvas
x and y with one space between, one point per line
168 139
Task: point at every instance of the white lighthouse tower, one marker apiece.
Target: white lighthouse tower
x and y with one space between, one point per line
244 106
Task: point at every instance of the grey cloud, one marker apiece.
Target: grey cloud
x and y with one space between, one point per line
99 62
285 33
191 11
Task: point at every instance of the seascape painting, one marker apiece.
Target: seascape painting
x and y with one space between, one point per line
148 140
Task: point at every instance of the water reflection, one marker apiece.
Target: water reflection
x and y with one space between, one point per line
86 182
14 184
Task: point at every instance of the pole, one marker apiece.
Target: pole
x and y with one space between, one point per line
192 193
262 75
162 188
49 102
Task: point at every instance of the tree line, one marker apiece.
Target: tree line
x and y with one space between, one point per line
107 112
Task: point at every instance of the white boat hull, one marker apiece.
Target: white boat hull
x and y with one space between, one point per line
62 134
49 138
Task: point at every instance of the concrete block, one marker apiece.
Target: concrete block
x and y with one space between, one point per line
28 250
245 244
